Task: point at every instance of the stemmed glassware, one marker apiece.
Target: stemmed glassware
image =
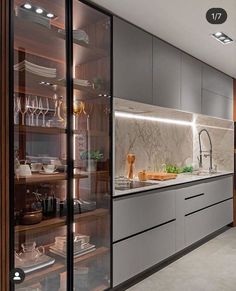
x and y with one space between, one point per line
45 111
39 111
34 107
16 108
29 109
23 110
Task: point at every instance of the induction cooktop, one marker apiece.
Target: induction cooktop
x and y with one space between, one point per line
134 185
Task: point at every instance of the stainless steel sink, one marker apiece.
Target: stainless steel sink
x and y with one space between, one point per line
204 173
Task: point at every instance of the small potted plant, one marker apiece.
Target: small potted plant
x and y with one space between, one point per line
92 157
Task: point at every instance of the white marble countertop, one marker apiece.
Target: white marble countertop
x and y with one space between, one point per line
181 179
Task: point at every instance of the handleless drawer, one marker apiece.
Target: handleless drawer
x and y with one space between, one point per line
136 254
208 193
204 222
194 197
220 189
140 212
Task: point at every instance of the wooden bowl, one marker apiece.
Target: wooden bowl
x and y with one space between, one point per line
31 217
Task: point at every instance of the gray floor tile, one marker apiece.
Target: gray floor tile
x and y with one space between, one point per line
211 267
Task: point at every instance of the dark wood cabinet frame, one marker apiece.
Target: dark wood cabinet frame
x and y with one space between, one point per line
4 146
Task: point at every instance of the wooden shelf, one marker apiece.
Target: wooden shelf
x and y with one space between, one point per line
33 83
60 266
48 224
44 178
93 133
50 44
24 129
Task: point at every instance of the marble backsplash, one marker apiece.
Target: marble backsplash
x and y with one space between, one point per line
155 143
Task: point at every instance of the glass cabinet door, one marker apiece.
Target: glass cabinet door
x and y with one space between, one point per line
41 195
91 126
40 171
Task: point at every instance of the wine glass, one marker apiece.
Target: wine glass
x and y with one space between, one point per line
40 111
16 108
34 107
29 107
23 110
45 111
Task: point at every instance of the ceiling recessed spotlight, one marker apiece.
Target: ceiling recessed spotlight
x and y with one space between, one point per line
39 10
27 6
222 37
218 34
50 15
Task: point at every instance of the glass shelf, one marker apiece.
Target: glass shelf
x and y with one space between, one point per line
50 37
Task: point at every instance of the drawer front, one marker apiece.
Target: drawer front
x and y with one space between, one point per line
136 254
220 189
204 222
208 193
194 197
140 212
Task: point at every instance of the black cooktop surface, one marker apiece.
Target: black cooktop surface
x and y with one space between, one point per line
134 185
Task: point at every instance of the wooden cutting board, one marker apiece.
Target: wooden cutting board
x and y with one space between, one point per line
161 176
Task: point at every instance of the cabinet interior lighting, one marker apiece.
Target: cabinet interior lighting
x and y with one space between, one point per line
151 118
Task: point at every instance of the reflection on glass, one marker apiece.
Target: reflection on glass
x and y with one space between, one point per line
40 144
91 107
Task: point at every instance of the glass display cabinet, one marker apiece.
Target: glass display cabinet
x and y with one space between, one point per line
61 143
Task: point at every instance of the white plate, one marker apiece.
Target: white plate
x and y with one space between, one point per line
45 173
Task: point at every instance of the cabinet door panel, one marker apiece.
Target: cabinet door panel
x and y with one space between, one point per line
166 75
202 223
217 82
132 62
216 105
135 214
134 255
190 84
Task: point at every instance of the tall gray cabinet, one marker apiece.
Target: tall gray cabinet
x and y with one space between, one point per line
166 74
217 93
190 95
132 62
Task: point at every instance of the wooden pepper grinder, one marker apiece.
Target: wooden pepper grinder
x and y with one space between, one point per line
130 160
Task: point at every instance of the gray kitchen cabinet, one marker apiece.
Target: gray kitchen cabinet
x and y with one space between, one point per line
217 93
132 62
181 194
136 254
202 223
217 82
194 198
149 227
166 75
216 105
142 211
191 82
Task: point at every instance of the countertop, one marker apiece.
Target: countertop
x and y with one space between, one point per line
181 179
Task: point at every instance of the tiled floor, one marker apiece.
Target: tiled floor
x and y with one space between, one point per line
211 267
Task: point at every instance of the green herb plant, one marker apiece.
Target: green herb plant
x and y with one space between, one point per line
178 170
91 155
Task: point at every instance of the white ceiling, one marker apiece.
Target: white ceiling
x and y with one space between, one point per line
183 24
